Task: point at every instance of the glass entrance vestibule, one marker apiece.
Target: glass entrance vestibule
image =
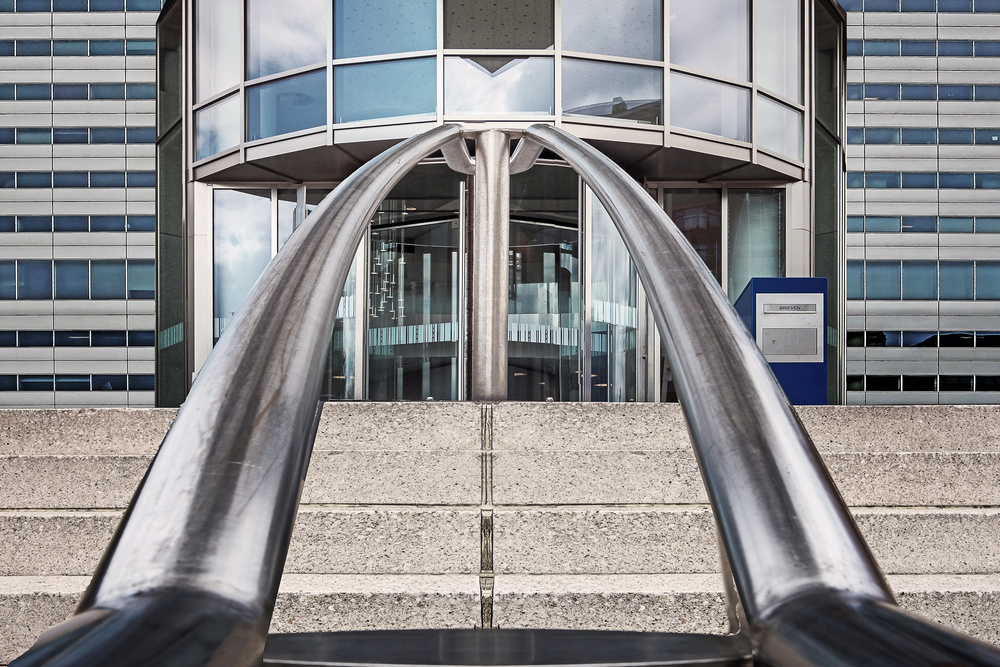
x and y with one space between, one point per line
578 325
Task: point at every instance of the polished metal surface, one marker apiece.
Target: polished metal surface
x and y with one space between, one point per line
489 245
213 517
506 647
785 529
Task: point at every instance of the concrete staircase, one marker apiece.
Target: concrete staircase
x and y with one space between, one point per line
455 515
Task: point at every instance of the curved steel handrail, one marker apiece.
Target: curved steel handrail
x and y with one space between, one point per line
205 536
809 586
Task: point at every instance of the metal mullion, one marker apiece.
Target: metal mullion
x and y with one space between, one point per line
361 297
274 221
585 363
701 74
557 107
461 307
665 64
439 64
621 60
753 82
724 273
329 79
381 57
764 92
243 82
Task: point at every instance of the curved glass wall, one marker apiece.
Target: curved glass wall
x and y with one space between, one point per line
388 59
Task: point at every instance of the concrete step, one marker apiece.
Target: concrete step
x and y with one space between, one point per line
677 539
669 603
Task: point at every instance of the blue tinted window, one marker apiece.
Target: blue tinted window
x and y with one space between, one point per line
955 92
107 135
72 383
366 28
958 225
878 179
108 338
881 91
109 382
107 91
8 339
140 382
8 382
141 179
34 279
916 48
107 179
954 48
142 338
107 5
988 6
988 93
881 5
853 5
919 280
33 179
880 47
140 91
956 280
919 180
954 5
287 105
6 179
957 181
875 223
882 280
34 6
70 135
918 92
855 47
141 279
988 181
34 135
140 47
988 225
855 179
70 179
34 91
72 339
6 223
141 135
6 135
107 279
8 280
956 339
32 47
69 91
69 5
855 91
74 47
142 5
72 279
34 383
987 49
855 135
6 91
956 136
987 280
142 223
988 136
855 223
919 223
70 223
34 339
855 279
881 135
34 223
107 223
107 47
920 339
6 47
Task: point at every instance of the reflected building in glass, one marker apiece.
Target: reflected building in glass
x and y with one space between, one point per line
729 112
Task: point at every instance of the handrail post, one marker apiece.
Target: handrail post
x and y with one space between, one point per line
490 242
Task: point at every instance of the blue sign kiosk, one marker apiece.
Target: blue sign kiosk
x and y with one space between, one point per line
787 319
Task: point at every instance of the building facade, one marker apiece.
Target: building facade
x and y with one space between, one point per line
728 112
77 218
923 201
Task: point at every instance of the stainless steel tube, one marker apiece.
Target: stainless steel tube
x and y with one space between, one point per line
489 244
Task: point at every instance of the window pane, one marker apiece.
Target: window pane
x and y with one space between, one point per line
34 279
956 136
779 128
374 27
107 279
779 47
988 280
107 223
72 279
882 280
920 339
920 223
628 28
756 226
988 225
881 224
287 209
34 339
958 225
956 280
217 26
287 105
612 91
141 279
956 383
8 280
919 180
497 84
34 383
920 280
500 24
707 106
919 383
73 339
697 212
109 383
956 339
882 383
855 280
108 339
242 244
385 90
72 383
712 36
881 135
217 128
285 35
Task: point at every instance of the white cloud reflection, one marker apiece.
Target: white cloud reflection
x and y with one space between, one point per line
526 85
242 243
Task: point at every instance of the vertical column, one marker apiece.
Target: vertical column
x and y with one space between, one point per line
490 242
